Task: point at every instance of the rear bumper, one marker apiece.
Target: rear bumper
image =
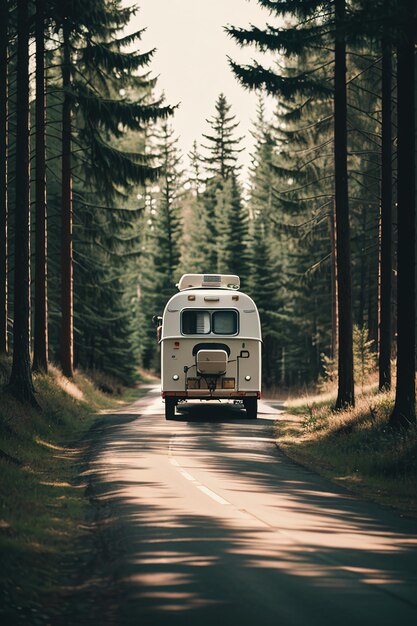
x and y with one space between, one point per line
203 394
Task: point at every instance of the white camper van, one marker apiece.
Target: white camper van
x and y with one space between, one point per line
210 343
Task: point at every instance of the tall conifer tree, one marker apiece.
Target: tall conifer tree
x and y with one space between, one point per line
220 162
160 270
232 230
404 413
385 306
345 395
4 14
221 144
21 377
196 229
40 348
90 81
310 81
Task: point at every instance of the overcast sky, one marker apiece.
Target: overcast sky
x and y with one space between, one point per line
191 59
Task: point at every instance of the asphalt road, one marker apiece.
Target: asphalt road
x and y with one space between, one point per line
215 526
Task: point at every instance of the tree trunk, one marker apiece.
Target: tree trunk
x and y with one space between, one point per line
346 395
404 413
385 252
3 176
21 377
335 316
67 339
364 274
40 356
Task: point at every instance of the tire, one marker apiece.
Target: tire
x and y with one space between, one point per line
170 408
251 406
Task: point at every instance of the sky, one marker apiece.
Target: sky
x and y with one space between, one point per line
191 61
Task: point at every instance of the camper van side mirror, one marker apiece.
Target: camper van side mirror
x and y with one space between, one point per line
157 320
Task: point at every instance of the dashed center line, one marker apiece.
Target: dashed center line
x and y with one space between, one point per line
188 476
247 515
211 494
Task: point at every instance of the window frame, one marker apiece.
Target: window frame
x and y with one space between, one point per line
196 311
210 311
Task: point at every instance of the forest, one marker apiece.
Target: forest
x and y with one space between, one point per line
100 213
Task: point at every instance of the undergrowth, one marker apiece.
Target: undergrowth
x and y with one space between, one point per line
356 446
42 503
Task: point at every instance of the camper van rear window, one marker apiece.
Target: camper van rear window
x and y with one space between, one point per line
205 322
195 322
224 322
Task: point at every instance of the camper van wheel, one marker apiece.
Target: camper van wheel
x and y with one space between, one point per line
170 408
251 406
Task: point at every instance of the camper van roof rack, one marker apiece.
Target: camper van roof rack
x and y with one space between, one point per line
209 281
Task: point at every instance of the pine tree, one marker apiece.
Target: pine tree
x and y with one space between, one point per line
266 280
232 230
364 355
374 25
371 171
168 224
310 80
385 317
67 306
196 248
103 292
4 14
209 199
220 163
292 186
222 145
40 352
197 180
90 82
21 383
345 394
404 413
262 287
164 230
364 180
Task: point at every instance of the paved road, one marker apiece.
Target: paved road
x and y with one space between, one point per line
217 527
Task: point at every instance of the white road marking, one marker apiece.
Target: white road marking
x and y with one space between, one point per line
188 476
247 515
212 495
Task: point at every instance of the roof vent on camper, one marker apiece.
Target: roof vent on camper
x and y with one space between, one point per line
213 281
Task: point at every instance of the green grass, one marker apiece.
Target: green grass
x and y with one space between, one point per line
355 447
42 503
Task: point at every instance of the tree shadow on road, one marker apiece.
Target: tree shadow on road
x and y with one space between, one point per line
330 559
213 411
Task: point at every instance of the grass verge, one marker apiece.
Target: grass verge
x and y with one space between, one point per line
42 503
355 447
